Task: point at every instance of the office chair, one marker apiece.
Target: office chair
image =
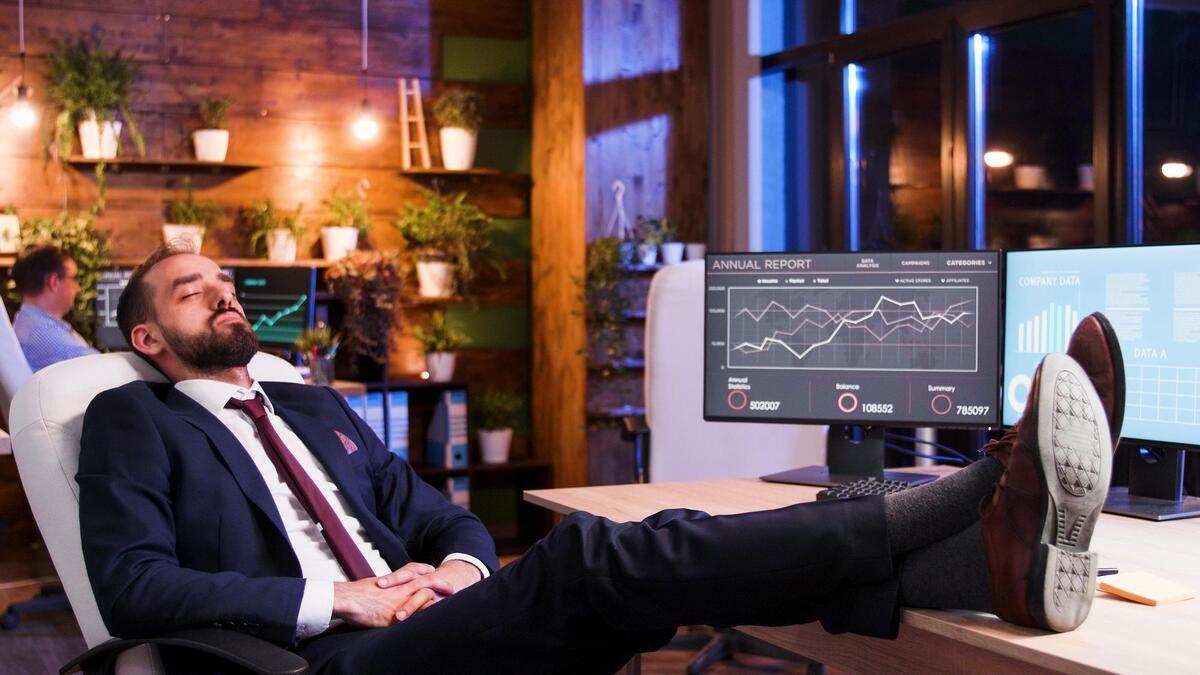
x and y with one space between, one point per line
677 444
46 423
14 369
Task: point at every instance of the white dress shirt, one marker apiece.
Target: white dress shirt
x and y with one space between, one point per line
317 562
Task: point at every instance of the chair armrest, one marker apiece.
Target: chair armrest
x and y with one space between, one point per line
254 654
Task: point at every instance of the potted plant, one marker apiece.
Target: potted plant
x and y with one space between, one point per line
651 234
348 222
439 340
458 113
90 86
495 415
369 283
272 233
604 302
187 218
10 230
211 140
450 238
318 346
87 246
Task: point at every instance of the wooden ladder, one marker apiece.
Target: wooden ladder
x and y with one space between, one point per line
411 112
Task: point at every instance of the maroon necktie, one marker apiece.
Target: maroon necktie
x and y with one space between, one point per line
347 553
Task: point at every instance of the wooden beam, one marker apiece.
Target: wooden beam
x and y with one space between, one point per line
558 222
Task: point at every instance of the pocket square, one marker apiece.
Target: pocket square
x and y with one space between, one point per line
348 444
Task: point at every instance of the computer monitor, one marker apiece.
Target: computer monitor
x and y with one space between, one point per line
874 339
278 301
1151 295
109 286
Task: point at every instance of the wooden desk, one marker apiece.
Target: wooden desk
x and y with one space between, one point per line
1119 636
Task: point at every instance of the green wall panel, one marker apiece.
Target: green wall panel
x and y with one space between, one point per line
495 327
504 149
476 59
510 239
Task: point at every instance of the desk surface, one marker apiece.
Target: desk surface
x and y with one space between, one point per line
1119 636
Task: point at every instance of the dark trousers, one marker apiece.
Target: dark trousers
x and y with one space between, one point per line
593 593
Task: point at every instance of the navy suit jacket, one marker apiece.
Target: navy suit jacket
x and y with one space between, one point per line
179 530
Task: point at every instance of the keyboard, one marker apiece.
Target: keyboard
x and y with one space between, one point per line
864 487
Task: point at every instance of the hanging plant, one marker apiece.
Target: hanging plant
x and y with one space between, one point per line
604 303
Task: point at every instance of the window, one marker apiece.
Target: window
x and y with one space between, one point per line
898 153
1171 119
1038 133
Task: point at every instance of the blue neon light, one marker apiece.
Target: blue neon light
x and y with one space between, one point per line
1135 39
976 137
849 16
852 86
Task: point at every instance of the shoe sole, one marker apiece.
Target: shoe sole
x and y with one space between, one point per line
1076 465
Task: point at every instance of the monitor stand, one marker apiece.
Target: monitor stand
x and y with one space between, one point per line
1155 489
851 454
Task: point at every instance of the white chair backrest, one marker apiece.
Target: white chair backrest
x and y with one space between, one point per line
46 423
14 369
682 445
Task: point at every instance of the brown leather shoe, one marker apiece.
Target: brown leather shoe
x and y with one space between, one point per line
1095 346
1039 523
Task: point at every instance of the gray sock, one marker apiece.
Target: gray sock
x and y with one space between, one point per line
949 574
920 516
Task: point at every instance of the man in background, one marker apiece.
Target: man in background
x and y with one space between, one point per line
46 278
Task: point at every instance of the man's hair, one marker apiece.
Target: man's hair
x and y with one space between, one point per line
35 264
136 306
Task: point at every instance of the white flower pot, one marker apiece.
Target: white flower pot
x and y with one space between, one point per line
211 145
337 242
672 252
436 278
647 254
494 445
696 251
440 366
191 236
458 147
99 141
281 246
10 233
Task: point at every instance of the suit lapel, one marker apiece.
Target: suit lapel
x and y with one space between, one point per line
321 440
232 453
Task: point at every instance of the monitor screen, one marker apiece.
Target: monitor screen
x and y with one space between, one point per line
1150 294
853 338
278 301
109 287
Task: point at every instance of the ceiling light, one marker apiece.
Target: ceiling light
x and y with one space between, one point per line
22 115
365 127
1176 170
998 159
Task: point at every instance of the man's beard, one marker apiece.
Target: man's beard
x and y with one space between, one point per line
209 352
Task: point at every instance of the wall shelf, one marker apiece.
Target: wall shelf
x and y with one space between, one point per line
473 173
144 165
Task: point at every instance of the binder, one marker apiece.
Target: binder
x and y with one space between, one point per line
458 491
446 439
376 415
397 423
358 404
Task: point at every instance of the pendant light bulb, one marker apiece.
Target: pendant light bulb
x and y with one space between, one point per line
365 127
22 115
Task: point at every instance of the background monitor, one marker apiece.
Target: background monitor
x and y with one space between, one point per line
109 286
871 338
278 301
1150 294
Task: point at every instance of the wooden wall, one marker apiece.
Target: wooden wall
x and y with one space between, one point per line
293 68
